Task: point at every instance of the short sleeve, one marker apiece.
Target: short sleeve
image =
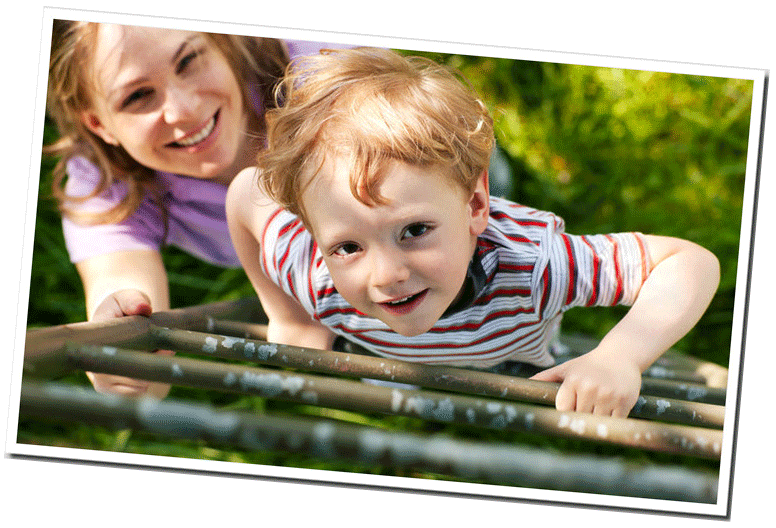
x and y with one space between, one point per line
597 270
142 230
288 257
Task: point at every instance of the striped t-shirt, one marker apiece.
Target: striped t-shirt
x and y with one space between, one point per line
526 271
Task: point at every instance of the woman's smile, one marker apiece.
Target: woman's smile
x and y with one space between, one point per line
197 137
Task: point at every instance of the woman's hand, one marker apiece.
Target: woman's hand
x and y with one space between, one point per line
120 304
121 284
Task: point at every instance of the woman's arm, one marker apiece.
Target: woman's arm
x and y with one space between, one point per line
247 211
670 302
120 284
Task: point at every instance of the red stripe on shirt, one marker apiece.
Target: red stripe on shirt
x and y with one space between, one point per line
617 270
263 243
572 270
596 271
644 270
299 231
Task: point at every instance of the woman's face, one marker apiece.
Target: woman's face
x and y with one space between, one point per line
170 99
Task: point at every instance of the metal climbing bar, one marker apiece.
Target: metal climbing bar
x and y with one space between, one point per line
435 406
222 347
490 462
430 376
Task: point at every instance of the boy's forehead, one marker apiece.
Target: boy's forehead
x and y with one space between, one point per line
336 171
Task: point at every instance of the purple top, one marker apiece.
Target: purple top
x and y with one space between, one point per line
195 208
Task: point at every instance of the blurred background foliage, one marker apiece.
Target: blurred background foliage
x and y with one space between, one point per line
606 149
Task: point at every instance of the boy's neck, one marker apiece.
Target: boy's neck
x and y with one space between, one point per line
471 288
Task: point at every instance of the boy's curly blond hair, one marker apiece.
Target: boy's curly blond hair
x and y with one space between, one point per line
371 106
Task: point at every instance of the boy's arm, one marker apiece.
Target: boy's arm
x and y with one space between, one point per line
247 211
607 380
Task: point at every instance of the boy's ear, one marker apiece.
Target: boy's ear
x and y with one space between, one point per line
95 126
479 205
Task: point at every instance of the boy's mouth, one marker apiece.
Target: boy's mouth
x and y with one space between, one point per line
198 137
404 305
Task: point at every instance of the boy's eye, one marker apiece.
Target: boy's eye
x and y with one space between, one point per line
415 230
348 248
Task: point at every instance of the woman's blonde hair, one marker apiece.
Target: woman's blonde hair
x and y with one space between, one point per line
258 64
371 106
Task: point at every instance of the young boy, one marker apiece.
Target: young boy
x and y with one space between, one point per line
385 233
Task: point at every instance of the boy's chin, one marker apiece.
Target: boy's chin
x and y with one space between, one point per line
408 331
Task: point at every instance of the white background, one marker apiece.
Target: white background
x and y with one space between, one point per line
39 493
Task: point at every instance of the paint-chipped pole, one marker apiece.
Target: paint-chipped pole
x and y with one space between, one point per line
662 380
432 376
490 462
434 406
671 366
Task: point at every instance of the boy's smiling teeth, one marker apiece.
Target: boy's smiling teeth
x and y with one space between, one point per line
399 301
199 136
403 299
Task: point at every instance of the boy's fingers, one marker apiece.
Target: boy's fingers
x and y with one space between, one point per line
551 374
566 399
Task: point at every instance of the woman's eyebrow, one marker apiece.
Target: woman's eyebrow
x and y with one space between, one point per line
182 47
121 88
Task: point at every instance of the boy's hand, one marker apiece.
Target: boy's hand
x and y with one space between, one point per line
595 383
120 304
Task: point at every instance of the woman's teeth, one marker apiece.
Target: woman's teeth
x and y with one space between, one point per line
199 136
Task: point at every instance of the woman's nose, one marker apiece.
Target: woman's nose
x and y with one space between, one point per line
180 104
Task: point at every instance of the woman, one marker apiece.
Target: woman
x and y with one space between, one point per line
154 124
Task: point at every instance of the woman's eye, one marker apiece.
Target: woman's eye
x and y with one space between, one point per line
135 96
348 248
416 230
186 61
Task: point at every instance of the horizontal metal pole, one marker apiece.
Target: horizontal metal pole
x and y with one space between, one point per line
693 392
44 347
430 376
673 375
490 462
434 406
670 365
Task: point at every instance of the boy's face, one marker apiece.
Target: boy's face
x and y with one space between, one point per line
404 262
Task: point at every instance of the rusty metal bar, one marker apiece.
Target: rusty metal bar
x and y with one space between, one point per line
44 347
666 378
693 392
495 463
431 376
672 365
433 406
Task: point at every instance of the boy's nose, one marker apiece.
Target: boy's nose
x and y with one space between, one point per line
388 269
